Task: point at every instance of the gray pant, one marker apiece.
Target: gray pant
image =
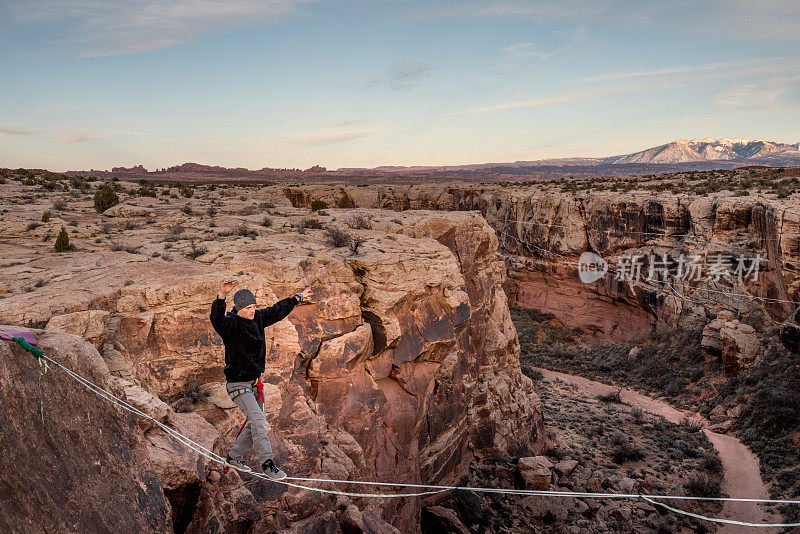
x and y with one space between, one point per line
254 433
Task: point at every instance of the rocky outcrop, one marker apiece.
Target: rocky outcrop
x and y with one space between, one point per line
71 462
734 344
404 367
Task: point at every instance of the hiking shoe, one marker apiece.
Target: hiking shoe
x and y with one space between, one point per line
239 465
272 471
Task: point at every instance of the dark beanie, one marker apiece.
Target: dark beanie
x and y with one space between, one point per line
242 298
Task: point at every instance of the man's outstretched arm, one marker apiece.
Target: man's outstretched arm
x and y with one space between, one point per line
282 308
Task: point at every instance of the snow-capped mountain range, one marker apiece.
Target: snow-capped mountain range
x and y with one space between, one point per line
710 149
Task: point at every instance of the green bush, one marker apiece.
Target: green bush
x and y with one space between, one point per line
104 198
187 192
317 205
147 193
62 241
45 216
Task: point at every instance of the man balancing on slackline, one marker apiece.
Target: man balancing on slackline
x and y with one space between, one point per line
242 331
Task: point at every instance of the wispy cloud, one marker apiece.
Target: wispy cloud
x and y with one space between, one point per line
403 77
60 135
656 72
773 93
568 9
349 122
751 67
101 28
521 52
320 137
569 98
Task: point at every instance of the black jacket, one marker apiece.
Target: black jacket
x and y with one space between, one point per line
245 350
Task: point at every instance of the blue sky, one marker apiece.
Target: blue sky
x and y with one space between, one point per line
286 83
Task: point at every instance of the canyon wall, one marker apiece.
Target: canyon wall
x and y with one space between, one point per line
542 231
404 367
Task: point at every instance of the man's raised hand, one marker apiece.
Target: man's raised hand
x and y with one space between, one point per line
225 287
307 294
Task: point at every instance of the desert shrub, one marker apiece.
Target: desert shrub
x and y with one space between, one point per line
241 230
104 198
196 251
336 237
691 425
344 202
244 230
45 216
176 229
211 211
131 225
359 222
33 226
315 224
190 396
130 249
638 415
62 241
355 243
266 221
532 373
711 463
146 193
165 192
187 191
105 228
187 209
59 204
612 397
623 450
703 486
318 204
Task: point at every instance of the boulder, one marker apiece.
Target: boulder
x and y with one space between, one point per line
441 520
565 468
90 325
740 346
534 472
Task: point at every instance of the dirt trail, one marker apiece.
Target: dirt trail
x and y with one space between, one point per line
742 477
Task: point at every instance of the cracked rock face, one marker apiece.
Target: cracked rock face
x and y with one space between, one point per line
405 366
71 462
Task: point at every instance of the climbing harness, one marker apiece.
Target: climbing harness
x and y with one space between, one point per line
257 383
430 489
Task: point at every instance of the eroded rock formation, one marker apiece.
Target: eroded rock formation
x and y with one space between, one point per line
405 366
543 230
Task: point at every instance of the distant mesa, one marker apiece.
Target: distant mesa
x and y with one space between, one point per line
138 169
699 154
